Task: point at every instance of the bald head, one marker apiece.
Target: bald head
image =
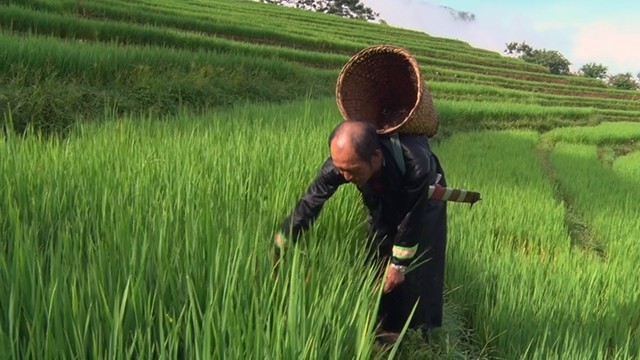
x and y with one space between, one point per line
355 151
357 136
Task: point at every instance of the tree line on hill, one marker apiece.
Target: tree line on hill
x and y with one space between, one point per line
558 64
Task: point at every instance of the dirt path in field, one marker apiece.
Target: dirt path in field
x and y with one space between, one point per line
577 227
607 154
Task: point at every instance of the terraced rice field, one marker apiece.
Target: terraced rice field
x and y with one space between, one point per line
190 128
158 57
153 237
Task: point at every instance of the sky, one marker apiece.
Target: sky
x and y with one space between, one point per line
604 32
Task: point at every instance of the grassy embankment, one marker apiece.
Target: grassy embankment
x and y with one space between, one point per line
67 60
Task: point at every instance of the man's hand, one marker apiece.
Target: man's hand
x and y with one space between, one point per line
394 278
279 241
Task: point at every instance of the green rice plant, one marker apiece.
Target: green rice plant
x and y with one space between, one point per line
146 14
45 5
464 77
466 91
631 114
137 80
65 26
99 62
608 200
479 115
530 292
604 133
628 166
152 239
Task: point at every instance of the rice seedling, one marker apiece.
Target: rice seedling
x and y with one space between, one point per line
613 223
535 293
157 242
65 26
152 238
604 133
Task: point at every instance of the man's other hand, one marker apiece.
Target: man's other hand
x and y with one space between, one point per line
276 254
394 278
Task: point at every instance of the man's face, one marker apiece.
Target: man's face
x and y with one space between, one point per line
354 169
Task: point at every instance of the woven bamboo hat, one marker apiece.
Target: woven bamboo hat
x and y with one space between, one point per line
383 85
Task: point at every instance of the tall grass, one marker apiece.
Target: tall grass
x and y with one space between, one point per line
605 133
466 91
203 23
480 115
158 57
50 83
608 201
148 239
153 238
71 27
628 166
530 84
534 292
110 63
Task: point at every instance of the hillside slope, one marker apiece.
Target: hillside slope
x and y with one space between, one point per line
71 60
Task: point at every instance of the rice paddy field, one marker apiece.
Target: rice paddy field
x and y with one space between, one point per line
152 148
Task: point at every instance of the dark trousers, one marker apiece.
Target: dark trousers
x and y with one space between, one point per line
423 285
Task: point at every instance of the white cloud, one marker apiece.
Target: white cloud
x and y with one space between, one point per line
491 29
616 45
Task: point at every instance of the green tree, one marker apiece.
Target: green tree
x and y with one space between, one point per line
346 8
593 70
623 81
551 59
514 48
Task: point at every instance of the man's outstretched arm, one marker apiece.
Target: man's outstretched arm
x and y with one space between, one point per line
309 205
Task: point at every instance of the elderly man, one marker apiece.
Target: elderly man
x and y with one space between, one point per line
405 227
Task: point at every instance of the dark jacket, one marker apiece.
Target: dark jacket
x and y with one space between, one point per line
394 201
